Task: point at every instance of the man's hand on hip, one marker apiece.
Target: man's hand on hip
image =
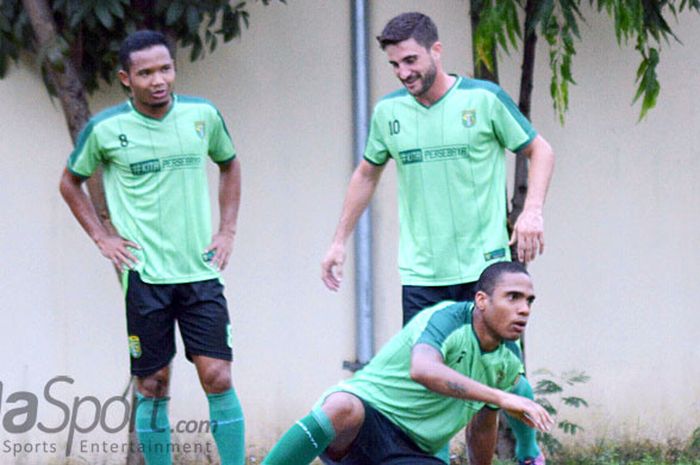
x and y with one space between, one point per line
116 249
222 246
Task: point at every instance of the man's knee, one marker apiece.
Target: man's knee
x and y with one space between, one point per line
345 411
154 385
215 375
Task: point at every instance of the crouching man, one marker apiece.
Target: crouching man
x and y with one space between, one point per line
452 365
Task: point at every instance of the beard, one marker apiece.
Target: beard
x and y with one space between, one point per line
428 79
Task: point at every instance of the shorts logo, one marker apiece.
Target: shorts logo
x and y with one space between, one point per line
469 118
199 128
229 336
135 347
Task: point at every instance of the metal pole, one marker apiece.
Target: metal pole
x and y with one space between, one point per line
364 295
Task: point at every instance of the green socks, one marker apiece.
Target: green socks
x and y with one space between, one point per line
525 437
227 427
304 441
153 429
444 454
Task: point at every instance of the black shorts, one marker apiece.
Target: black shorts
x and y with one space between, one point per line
151 311
380 442
417 298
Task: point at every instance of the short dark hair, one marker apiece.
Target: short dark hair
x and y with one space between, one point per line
492 275
141 40
406 26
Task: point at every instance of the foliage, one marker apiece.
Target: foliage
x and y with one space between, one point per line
629 452
90 31
692 449
643 22
549 392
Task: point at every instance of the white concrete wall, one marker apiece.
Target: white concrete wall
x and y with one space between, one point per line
615 285
618 284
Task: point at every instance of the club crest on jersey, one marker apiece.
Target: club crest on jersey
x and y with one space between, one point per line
469 118
500 376
199 128
135 347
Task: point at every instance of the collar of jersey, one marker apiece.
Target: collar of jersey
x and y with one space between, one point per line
449 91
172 105
476 336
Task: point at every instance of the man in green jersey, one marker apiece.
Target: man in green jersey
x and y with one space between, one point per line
154 149
452 363
447 135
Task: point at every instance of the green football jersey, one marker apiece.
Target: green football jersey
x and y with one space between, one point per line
450 161
156 182
429 418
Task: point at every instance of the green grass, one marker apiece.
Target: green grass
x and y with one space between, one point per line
605 452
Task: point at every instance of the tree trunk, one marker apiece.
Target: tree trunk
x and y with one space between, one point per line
524 103
70 91
66 80
72 95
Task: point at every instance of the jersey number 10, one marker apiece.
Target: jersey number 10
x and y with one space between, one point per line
394 127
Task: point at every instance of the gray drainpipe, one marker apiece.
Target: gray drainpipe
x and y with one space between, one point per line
364 295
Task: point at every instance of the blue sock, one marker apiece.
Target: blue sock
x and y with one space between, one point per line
153 429
227 427
525 437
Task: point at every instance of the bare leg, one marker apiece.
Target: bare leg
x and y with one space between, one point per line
214 374
156 384
347 414
482 434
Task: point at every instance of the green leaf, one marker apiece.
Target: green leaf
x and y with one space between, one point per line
574 401
116 9
79 14
547 405
193 19
576 377
550 443
103 15
174 13
197 49
547 386
568 427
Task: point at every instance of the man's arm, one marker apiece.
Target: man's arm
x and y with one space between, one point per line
112 246
482 436
96 191
429 369
362 185
229 202
528 231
